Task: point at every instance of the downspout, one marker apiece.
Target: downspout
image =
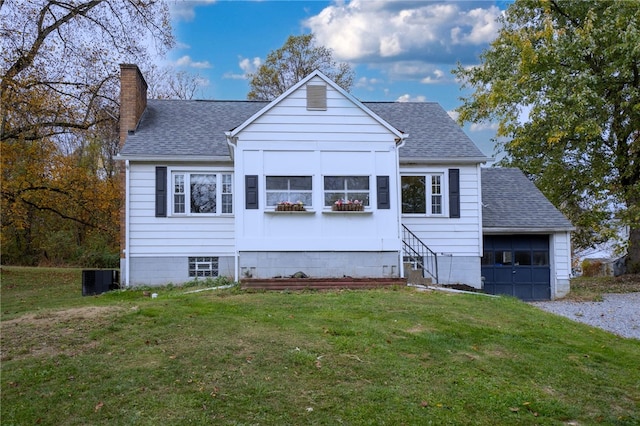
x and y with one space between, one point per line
399 144
127 261
232 142
480 226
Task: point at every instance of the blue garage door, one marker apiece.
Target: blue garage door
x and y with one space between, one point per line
517 265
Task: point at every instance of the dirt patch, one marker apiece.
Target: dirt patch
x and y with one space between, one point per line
462 287
53 333
418 328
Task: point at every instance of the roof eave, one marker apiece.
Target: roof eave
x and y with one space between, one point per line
526 230
405 161
180 158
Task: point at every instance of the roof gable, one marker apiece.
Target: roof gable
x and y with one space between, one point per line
316 75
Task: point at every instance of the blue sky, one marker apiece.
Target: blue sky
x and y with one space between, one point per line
399 50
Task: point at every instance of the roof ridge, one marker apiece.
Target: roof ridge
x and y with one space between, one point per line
208 100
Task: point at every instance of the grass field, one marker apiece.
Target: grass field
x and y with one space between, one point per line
592 288
229 357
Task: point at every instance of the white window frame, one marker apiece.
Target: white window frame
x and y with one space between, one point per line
346 190
429 194
224 186
288 191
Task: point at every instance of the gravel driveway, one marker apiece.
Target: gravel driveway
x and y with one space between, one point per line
617 313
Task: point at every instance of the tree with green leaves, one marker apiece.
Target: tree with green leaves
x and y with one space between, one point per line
296 59
562 80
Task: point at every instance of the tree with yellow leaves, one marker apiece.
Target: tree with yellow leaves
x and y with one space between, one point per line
59 117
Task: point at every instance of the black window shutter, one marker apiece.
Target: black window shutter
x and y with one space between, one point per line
161 192
454 193
384 199
251 191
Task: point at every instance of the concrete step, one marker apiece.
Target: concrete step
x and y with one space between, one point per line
416 275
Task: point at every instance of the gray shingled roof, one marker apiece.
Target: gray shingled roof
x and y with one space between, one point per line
432 133
187 128
196 128
511 201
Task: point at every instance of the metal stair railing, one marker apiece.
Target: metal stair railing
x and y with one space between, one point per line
417 253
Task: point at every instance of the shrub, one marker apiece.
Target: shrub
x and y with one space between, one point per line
591 268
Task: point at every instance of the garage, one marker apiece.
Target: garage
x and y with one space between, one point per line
527 241
517 265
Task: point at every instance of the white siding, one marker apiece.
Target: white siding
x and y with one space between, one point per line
290 140
561 252
451 236
171 236
342 122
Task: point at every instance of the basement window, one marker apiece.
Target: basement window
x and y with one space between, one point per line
203 266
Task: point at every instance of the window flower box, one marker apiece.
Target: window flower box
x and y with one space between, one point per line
286 206
347 206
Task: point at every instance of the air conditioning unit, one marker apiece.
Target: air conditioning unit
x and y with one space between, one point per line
98 281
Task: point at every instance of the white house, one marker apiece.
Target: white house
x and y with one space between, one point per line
321 183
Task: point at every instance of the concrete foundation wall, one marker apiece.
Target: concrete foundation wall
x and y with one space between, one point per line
156 271
561 289
459 270
319 264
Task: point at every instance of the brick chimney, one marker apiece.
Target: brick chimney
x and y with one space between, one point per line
133 101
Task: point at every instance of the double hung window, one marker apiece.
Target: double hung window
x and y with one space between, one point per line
292 189
202 193
347 189
423 194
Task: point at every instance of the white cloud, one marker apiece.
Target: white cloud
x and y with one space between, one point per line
409 98
477 26
367 83
248 66
417 71
366 31
186 61
479 127
185 10
202 82
437 76
181 45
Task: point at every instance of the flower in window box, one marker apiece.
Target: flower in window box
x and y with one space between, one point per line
348 206
287 206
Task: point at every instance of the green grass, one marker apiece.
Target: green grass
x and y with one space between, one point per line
394 356
592 288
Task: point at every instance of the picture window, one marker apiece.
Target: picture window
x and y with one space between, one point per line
202 193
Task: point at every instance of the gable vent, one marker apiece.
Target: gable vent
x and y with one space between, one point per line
316 97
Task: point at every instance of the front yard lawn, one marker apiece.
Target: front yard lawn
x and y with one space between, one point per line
229 357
